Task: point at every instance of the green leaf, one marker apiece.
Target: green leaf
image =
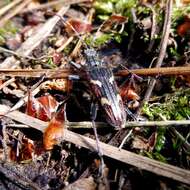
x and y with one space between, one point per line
2 40
103 7
159 157
50 63
101 40
118 38
121 5
103 17
160 142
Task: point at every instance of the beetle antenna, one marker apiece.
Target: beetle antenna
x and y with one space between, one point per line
70 25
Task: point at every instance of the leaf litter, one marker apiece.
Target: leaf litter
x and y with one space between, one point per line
127 35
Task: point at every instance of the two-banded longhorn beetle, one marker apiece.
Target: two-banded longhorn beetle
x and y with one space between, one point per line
101 80
104 87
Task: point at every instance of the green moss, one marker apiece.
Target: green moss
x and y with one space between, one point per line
104 7
175 107
156 156
108 7
8 30
50 63
160 142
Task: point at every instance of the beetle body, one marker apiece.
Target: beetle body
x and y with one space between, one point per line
105 89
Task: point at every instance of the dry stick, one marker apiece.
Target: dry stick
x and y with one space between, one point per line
4 141
177 135
53 3
133 159
130 158
129 124
64 73
125 139
7 83
133 30
163 46
50 73
6 8
156 71
61 48
82 38
32 42
153 27
14 12
4 50
34 90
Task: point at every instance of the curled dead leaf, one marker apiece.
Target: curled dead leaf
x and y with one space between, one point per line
79 26
23 151
113 21
57 58
128 93
63 85
118 19
42 108
144 144
184 28
54 132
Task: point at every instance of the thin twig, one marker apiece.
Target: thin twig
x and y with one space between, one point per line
129 124
125 139
64 73
54 3
186 144
17 125
163 46
6 8
7 83
50 73
34 90
14 12
61 48
81 40
2 49
153 27
133 29
156 71
4 141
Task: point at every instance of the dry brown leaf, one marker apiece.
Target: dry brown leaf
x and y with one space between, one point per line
80 26
42 108
54 132
128 93
184 28
144 144
63 85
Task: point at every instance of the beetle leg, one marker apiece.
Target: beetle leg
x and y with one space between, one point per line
76 65
73 77
131 114
93 112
